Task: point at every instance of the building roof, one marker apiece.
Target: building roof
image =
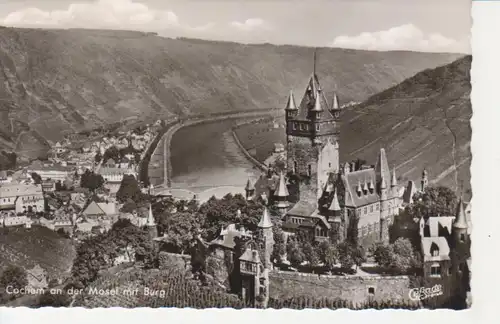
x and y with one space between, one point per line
109 208
151 219
227 236
250 256
19 189
440 242
335 101
265 221
394 180
302 209
317 103
410 191
354 183
435 223
93 209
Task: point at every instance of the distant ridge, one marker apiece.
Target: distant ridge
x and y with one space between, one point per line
55 81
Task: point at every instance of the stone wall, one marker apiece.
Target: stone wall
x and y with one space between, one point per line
285 285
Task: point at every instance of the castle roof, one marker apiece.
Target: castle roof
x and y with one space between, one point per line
250 256
151 219
311 98
351 181
334 206
335 101
317 103
302 209
382 167
460 219
394 180
291 102
435 223
265 221
430 243
281 191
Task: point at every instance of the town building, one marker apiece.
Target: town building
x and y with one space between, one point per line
445 247
21 197
99 211
49 171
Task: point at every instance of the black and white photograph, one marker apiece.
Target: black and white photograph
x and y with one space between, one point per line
273 154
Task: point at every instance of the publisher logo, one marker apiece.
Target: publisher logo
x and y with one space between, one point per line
418 294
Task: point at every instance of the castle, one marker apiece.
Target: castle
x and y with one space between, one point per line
318 194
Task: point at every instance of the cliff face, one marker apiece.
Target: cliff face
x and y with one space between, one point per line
59 81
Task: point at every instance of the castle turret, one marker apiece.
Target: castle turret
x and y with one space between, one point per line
394 180
291 109
281 195
334 209
460 251
266 227
151 224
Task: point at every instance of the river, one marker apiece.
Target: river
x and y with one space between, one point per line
206 159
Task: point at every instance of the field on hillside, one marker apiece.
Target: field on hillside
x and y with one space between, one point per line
38 245
59 81
424 122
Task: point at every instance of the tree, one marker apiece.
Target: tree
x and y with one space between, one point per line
352 229
180 230
434 201
328 254
36 178
98 157
310 253
404 258
279 248
383 254
294 252
91 181
13 277
129 190
111 153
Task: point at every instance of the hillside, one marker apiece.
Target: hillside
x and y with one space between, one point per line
60 81
38 245
421 122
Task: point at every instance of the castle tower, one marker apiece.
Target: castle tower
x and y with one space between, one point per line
460 252
425 180
281 195
312 131
249 190
265 228
151 224
383 175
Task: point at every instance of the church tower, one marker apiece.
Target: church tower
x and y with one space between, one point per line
312 130
425 180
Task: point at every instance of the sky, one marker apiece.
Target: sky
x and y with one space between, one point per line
416 25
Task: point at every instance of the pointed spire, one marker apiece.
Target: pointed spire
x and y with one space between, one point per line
335 101
249 186
383 184
151 219
334 206
281 191
365 186
317 103
314 62
382 167
265 221
460 221
291 102
394 180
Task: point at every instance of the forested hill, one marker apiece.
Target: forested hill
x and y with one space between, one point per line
56 81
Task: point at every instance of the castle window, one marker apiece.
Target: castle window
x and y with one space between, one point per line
309 170
294 126
329 164
317 127
436 270
295 166
371 291
449 271
462 237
